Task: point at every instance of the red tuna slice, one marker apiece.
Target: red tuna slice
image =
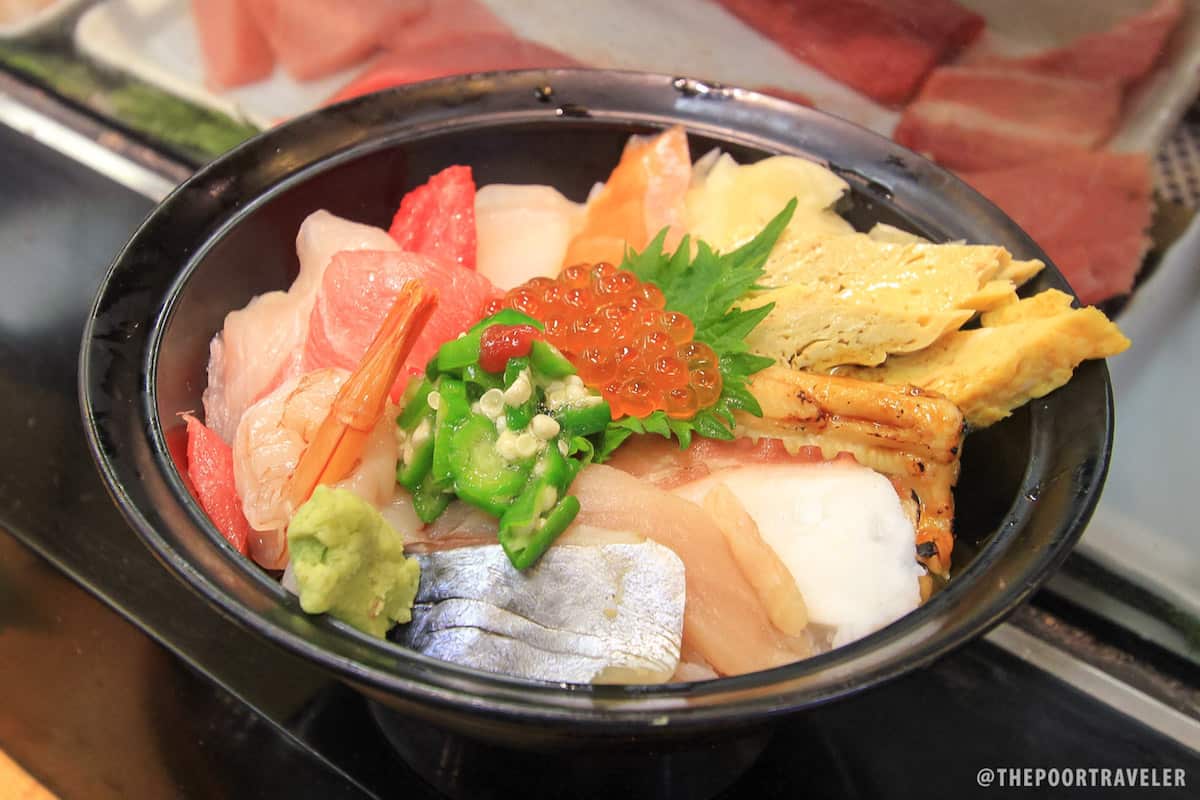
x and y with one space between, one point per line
1122 54
452 56
945 22
882 48
234 49
360 286
1088 210
313 38
984 117
210 469
438 218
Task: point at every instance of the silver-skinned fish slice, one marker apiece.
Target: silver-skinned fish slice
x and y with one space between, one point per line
601 614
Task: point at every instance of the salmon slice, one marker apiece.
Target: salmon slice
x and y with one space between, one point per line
358 289
645 193
210 470
314 38
234 49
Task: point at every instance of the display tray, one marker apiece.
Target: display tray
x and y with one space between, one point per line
45 18
155 41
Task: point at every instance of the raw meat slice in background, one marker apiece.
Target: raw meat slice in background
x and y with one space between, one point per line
1123 54
943 21
210 470
360 287
234 49
447 20
441 58
313 38
1020 130
983 117
438 218
882 48
1088 210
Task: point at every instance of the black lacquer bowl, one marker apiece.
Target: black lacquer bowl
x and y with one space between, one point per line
1028 484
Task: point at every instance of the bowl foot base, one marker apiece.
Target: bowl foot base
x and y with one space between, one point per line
460 766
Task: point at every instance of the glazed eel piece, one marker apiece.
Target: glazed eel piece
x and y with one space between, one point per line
912 436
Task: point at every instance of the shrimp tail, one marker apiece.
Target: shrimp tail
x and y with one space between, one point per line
362 400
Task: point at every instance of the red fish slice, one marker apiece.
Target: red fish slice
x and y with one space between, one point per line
438 218
210 469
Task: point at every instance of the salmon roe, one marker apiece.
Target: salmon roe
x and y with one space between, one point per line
617 332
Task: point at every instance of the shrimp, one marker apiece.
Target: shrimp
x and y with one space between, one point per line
272 436
326 426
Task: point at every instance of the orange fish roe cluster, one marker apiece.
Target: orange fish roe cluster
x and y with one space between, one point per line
616 331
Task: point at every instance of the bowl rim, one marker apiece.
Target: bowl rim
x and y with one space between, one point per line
135 463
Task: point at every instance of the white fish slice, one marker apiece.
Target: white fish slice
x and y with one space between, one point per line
606 614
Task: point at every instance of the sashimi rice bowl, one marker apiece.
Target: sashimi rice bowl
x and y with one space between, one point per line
696 422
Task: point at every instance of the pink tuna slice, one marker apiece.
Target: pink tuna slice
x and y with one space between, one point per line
358 289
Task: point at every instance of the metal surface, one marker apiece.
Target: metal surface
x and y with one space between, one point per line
91 154
148 335
82 139
1099 684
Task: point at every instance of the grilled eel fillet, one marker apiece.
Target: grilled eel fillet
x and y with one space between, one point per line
912 436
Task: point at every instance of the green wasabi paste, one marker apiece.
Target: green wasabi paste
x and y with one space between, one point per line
350 563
